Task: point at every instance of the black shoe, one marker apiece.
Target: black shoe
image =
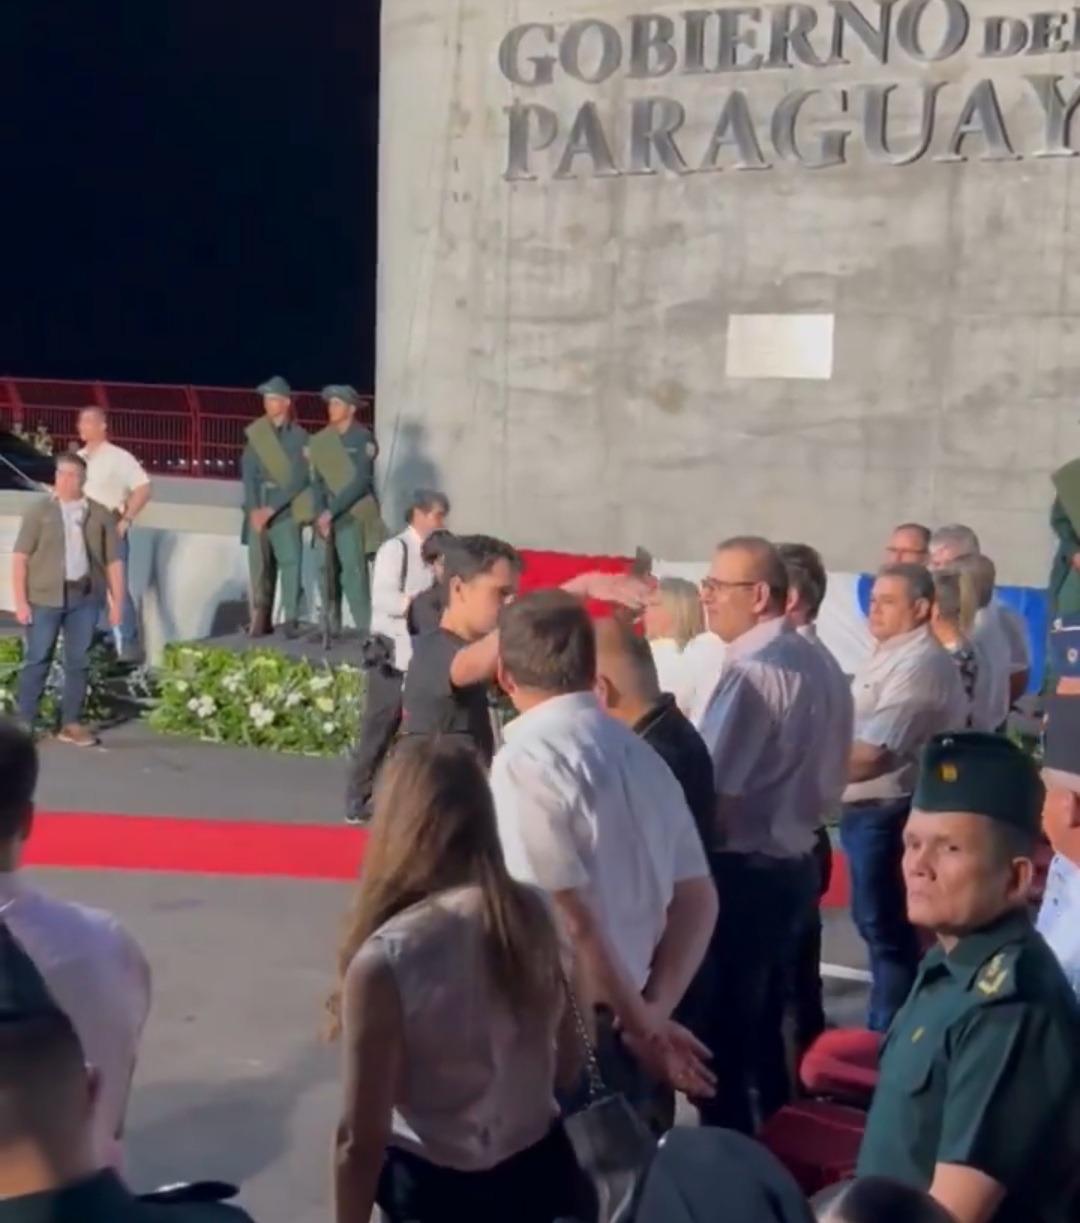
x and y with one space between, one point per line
292 630
355 819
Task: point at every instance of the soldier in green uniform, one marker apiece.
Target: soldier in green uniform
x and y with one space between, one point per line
348 521
978 1097
277 504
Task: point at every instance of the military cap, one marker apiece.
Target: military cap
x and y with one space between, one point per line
981 773
23 992
275 386
1065 649
346 394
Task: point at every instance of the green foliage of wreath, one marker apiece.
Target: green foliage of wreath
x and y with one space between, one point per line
258 698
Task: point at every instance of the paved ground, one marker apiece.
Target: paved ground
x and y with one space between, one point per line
234 1081
138 772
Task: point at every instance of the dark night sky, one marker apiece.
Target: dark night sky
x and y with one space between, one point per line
188 190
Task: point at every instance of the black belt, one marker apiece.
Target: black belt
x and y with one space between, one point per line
81 586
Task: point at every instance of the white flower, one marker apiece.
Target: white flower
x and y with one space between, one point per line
329 728
320 683
182 685
293 699
233 682
207 707
260 715
324 705
193 705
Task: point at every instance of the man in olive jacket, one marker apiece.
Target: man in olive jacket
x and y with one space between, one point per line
66 558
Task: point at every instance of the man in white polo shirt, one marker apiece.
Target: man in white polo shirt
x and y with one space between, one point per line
591 814
91 966
908 691
117 480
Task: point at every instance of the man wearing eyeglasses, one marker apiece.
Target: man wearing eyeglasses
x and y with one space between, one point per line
767 728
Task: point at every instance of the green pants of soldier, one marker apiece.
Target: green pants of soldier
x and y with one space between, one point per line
344 570
276 547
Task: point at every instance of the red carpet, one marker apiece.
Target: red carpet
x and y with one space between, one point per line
223 847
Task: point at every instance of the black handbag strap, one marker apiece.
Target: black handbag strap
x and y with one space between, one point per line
598 1089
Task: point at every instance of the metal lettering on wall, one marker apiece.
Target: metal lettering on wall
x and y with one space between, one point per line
812 127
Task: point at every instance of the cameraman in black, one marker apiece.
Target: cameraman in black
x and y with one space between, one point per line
382 705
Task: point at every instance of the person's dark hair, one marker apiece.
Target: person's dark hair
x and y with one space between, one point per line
18 777
806 575
920 582
468 556
768 565
1011 842
434 547
70 459
875 1199
915 528
547 643
424 500
434 829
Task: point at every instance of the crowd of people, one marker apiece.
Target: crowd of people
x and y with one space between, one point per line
597 850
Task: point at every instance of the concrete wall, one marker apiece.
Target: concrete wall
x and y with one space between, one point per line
594 337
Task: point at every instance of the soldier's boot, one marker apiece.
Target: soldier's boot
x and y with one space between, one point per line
261 622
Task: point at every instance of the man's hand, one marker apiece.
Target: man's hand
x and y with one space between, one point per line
1076 560
122 527
116 613
259 519
676 1057
323 524
23 613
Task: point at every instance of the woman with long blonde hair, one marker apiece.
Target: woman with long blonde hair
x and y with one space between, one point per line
451 1008
673 618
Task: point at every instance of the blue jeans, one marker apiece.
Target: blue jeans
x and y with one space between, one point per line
872 837
77 619
765 904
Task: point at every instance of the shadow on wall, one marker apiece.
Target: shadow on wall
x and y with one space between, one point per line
409 466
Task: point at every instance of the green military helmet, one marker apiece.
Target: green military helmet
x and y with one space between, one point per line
347 394
275 386
982 774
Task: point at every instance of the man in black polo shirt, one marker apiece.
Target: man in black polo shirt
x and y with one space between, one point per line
449 677
629 689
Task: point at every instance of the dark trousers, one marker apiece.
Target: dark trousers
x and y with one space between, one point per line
539 1185
378 728
77 620
806 1002
623 1074
872 838
764 906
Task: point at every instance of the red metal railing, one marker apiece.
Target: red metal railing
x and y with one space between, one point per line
174 430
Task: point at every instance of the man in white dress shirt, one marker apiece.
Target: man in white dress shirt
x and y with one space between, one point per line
768 729
591 814
399 574
907 692
808 584
91 966
117 480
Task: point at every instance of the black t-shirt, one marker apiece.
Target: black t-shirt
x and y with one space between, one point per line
430 703
672 735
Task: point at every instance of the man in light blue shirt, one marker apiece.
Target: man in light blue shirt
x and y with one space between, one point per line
1059 917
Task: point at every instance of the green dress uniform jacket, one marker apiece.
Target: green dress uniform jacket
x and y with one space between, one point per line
981 1068
104 1199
